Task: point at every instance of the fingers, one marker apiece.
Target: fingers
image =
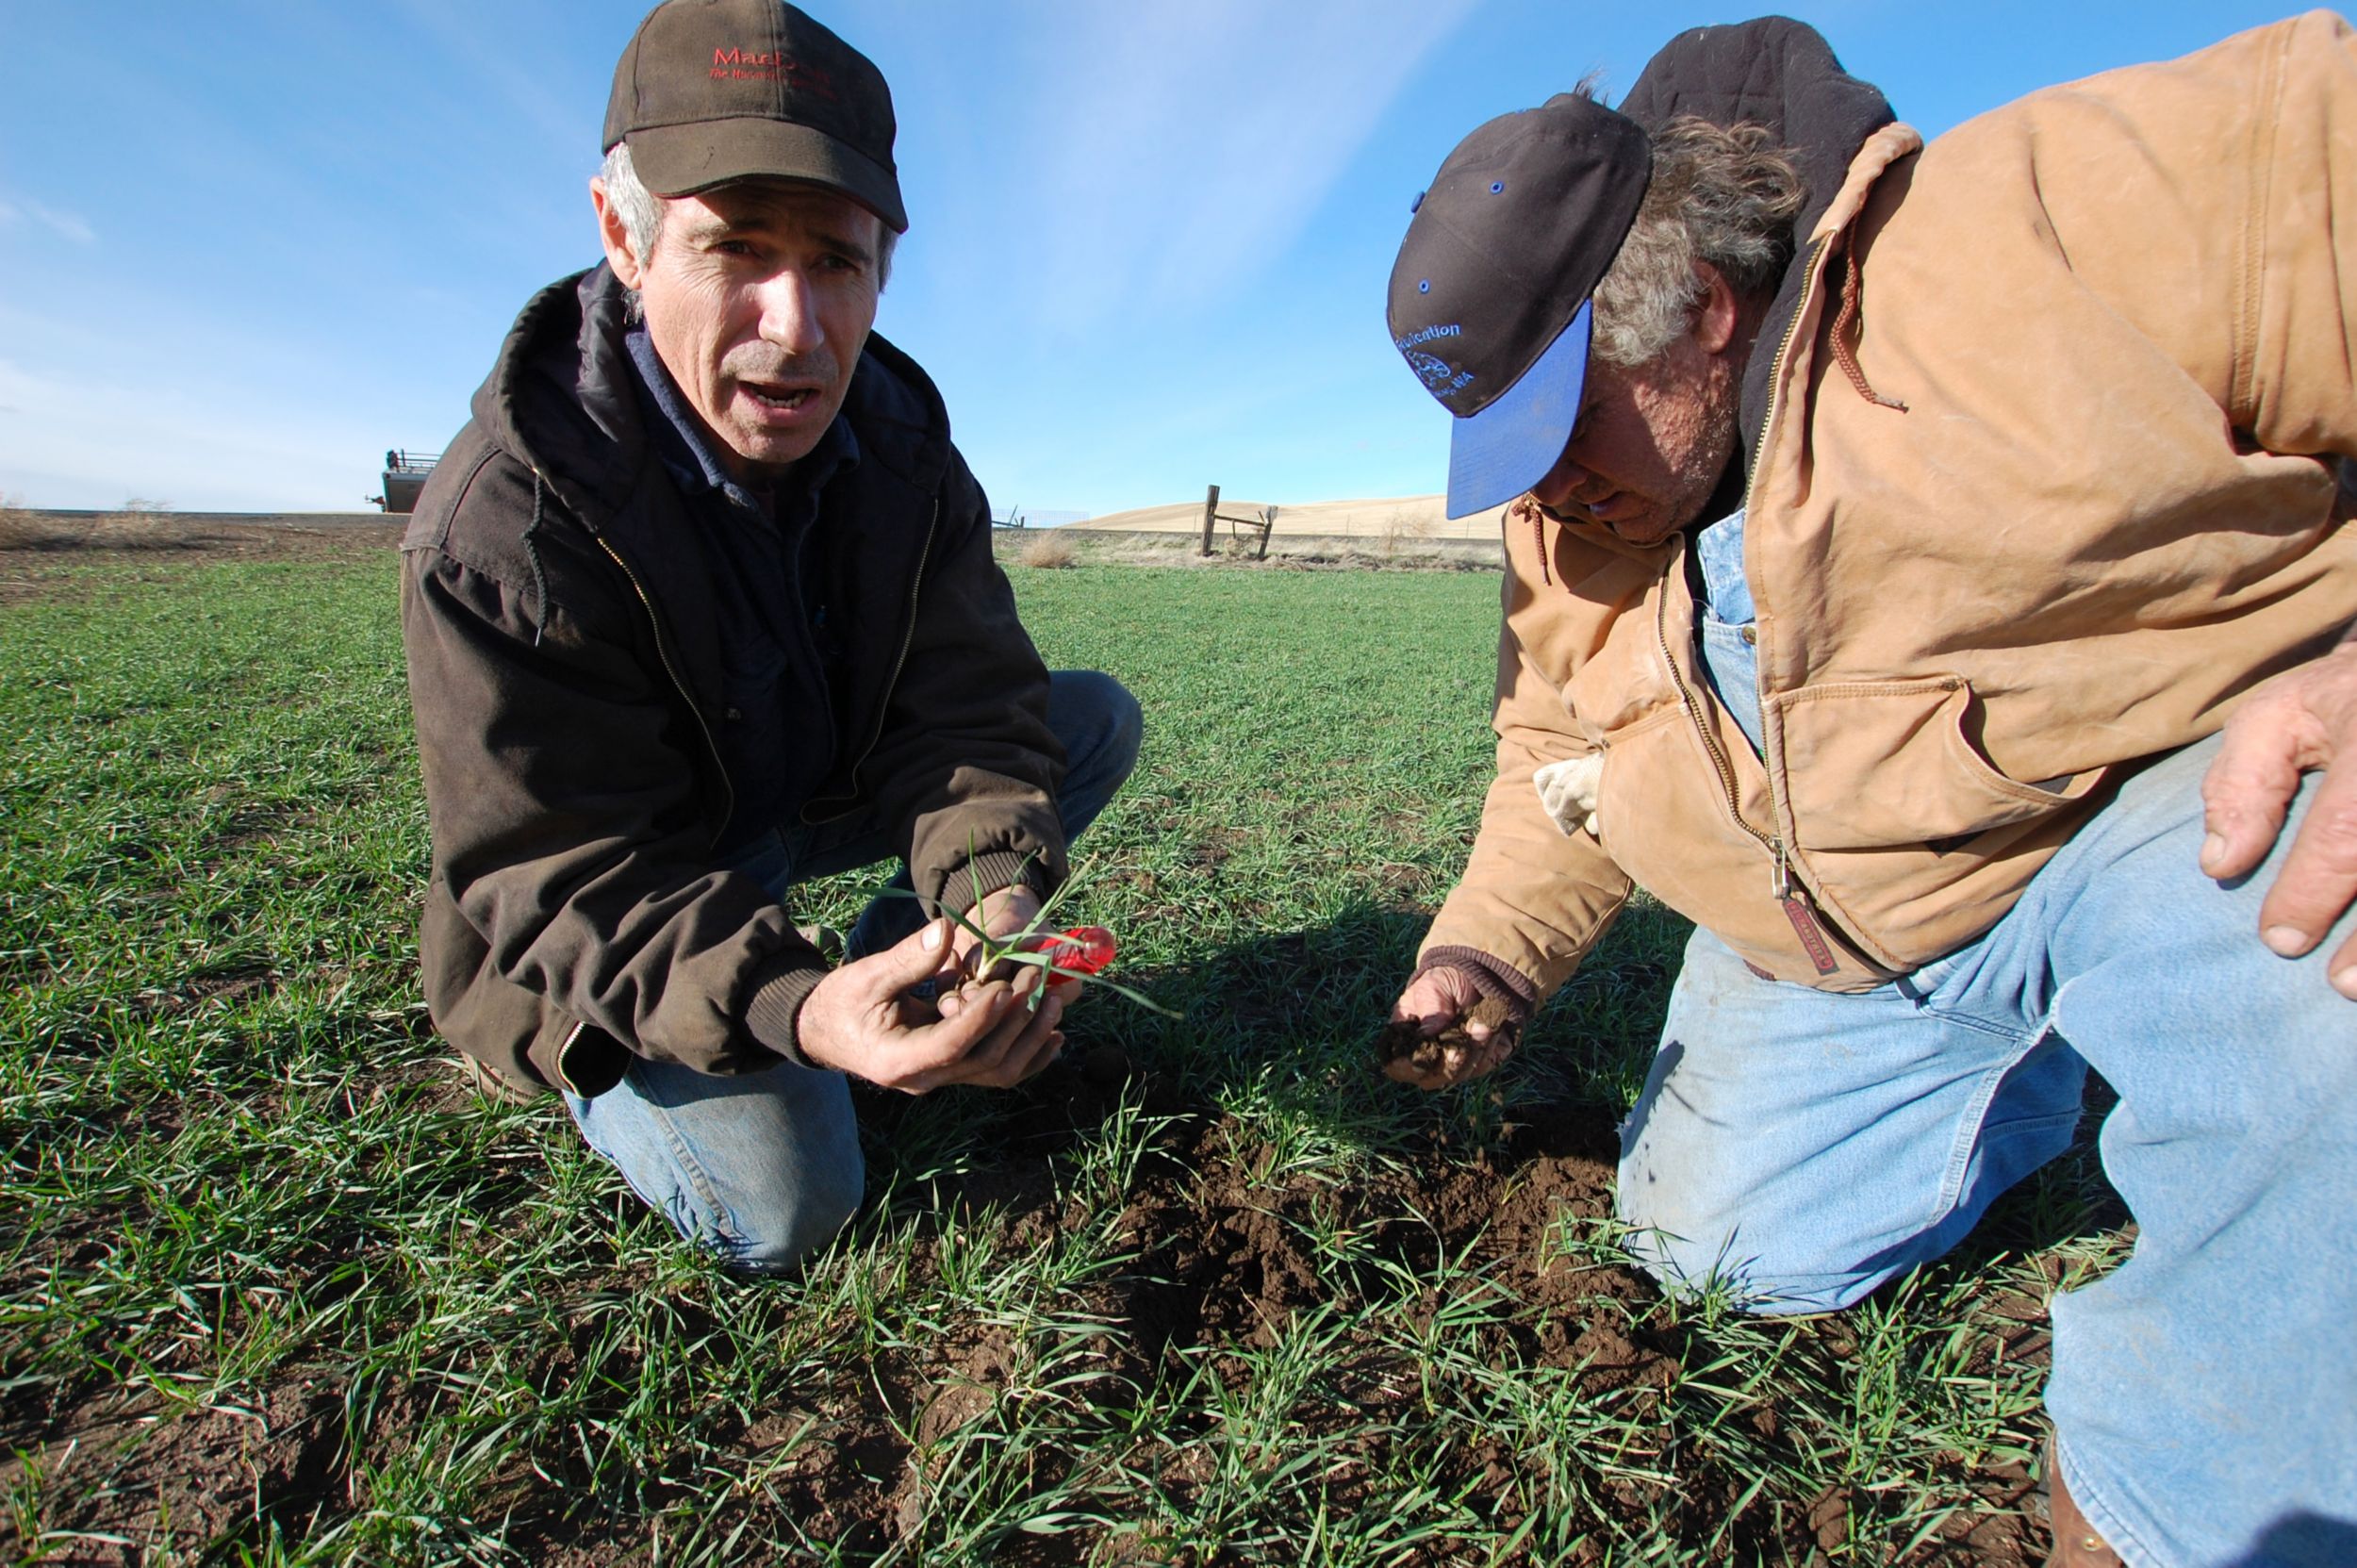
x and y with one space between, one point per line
1441 1005
1025 1041
996 1041
1435 1000
2304 721
882 976
861 1020
2318 879
1481 1054
2247 791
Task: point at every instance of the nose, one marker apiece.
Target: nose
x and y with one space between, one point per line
1563 482
789 312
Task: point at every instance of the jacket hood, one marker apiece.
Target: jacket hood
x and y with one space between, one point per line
1781 74
561 399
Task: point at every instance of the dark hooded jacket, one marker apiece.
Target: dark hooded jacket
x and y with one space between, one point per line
569 688
1781 76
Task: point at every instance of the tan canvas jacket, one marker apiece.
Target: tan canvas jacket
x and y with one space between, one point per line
2121 316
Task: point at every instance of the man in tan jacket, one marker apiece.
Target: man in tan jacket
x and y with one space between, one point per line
1931 573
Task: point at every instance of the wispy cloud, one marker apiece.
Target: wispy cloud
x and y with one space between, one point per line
71 225
1172 149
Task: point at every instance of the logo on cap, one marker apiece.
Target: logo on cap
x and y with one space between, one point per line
755 65
1434 372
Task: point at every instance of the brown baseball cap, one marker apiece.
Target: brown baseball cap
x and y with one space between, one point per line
714 90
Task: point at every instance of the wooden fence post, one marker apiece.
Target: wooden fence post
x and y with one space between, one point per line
1210 504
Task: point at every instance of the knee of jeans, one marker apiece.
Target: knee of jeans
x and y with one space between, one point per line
1695 1242
789 1228
1102 724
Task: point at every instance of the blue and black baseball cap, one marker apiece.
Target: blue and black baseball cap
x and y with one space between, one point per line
1490 296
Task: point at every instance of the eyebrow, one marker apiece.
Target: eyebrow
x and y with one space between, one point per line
829 234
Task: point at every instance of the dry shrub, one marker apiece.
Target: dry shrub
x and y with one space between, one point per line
22 528
1403 527
1050 552
142 523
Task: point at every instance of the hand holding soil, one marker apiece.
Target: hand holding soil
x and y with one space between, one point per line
861 1020
1445 1032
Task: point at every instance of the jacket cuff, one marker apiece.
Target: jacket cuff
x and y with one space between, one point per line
990 872
771 1018
1494 977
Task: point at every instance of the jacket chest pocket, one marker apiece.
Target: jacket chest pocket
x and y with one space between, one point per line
753 668
764 709
1878 764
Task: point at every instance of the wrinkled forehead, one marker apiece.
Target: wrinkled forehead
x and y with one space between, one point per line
777 206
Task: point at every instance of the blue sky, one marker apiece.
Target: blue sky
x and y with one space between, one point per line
246 246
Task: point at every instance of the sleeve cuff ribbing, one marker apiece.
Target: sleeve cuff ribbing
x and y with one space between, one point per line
776 1004
1493 977
991 871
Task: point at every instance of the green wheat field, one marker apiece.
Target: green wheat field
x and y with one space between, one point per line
276 1287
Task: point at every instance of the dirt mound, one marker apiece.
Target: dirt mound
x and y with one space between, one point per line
1226 1256
1229 1253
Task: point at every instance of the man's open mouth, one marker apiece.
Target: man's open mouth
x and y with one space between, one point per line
783 399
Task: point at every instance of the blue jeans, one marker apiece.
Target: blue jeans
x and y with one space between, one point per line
1803 1147
766 1168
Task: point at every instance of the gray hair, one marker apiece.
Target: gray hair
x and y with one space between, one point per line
1725 194
641 212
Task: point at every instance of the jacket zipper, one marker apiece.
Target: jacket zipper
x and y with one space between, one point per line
663 652
1792 899
908 638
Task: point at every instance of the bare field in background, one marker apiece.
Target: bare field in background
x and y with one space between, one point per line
1400 551
46 552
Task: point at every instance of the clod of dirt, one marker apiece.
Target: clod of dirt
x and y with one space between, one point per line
1410 1056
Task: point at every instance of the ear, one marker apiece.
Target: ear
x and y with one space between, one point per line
1719 317
616 238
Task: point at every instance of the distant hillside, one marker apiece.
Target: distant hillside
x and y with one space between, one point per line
1400 517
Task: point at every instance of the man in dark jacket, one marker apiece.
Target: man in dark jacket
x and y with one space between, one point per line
701 603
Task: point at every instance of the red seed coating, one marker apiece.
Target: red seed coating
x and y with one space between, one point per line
1081 950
